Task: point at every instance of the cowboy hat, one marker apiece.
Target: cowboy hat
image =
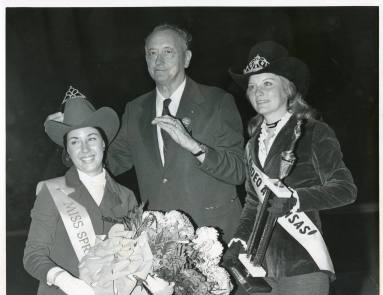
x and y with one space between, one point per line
79 113
271 57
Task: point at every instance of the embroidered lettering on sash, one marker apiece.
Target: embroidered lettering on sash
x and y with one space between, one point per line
74 216
297 224
294 219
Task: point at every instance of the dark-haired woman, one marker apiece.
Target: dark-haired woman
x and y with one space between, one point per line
70 211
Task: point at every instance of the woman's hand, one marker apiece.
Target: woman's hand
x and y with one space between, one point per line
278 188
221 292
159 286
72 286
231 254
283 201
280 207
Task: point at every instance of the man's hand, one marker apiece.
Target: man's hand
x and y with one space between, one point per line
59 117
177 132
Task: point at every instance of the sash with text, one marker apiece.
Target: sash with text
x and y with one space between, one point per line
74 216
297 224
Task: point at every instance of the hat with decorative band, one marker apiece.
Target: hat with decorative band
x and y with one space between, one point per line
271 57
79 113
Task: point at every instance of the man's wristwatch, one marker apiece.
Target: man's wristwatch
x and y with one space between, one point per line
203 150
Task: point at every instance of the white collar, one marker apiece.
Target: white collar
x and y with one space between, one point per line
280 124
94 184
262 149
175 97
87 179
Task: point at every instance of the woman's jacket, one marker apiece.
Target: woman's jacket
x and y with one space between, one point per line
48 244
321 180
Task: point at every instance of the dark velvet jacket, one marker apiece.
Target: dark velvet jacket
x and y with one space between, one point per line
321 180
48 244
206 192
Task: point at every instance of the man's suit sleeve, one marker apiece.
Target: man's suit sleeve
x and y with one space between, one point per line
119 156
225 160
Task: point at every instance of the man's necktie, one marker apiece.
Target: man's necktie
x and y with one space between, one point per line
165 136
165 109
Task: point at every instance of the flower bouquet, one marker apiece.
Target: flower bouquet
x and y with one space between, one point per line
164 246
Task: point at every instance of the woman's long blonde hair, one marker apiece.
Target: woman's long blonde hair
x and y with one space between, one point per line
295 104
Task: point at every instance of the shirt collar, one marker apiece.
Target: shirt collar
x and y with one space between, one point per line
98 179
280 125
263 150
175 97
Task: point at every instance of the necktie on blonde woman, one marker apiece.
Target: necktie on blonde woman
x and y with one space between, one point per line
165 136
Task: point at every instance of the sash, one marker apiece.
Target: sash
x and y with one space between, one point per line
297 224
74 216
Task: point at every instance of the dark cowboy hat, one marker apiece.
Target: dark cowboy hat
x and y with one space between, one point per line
271 57
79 113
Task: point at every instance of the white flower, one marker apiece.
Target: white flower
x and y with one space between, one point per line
206 233
205 266
207 244
180 222
175 217
220 277
186 233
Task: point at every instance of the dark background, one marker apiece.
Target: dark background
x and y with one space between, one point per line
100 51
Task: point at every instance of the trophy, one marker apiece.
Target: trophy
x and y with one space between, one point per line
250 272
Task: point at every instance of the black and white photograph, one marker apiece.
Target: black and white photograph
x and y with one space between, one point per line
208 150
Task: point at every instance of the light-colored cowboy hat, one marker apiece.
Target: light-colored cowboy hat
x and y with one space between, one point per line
79 113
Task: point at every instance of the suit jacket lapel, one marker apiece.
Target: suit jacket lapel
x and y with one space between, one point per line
149 131
189 107
112 199
72 180
111 203
254 149
281 143
190 101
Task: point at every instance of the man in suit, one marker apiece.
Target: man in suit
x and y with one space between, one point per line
194 168
191 158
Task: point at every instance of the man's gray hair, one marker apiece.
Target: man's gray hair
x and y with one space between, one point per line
182 33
